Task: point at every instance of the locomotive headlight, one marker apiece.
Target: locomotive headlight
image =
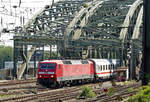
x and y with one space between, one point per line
52 76
40 76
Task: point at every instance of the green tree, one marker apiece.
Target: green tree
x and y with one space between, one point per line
6 54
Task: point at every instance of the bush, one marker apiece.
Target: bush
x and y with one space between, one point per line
143 95
131 90
87 92
110 91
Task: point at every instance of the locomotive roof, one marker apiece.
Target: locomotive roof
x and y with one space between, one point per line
67 61
56 61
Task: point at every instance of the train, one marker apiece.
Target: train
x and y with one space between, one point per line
58 73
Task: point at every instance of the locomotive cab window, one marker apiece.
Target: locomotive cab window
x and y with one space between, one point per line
47 66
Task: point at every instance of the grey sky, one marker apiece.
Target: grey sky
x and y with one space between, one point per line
11 17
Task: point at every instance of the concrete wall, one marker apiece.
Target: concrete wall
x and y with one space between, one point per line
5 73
8 73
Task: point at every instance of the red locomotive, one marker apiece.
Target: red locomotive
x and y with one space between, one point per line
56 73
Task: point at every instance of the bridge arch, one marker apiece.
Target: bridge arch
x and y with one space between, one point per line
135 7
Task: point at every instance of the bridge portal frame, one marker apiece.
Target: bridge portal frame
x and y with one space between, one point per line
20 50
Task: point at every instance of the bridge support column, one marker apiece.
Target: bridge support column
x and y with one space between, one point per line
15 58
121 56
25 50
43 52
132 66
50 52
97 51
100 53
146 45
34 71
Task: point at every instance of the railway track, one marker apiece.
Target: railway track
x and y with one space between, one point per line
70 93
53 95
17 85
17 82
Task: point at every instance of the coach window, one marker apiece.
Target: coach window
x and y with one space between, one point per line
103 67
98 68
112 66
115 66
109 67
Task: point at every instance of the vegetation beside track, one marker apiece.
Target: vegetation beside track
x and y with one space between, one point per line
142 95
87 92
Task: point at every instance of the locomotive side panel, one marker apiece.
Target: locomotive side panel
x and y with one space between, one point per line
59 70
76 71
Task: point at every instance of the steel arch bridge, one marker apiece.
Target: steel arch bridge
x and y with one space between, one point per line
82 29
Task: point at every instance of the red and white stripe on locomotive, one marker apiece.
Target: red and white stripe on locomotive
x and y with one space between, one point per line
59 72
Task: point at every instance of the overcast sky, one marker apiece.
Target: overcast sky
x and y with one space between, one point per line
11 17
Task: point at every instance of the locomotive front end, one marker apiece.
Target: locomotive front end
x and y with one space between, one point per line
47 73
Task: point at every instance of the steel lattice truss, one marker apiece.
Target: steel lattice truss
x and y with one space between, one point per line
53 20
106 23
96 22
